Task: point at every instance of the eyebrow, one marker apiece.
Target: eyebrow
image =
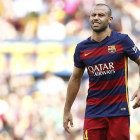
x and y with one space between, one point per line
98 13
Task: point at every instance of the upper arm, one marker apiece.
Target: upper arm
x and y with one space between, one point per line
130 49
138 60
78 73
77 59
79 65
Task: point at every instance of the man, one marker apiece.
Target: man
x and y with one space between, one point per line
105 56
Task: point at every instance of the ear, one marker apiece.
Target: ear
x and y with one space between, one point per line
110 19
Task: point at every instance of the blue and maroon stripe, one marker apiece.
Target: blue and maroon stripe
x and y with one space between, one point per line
106 92
103 110
103 59
102 85
107 100
99 51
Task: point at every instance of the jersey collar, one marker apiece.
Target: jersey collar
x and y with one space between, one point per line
109 34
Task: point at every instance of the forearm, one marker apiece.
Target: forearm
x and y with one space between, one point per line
139 76
138 62
137 92
72 90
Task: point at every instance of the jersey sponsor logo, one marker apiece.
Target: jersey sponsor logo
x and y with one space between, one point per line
101 69
87 53
135 49
112 49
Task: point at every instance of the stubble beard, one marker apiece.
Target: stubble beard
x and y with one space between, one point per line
98 30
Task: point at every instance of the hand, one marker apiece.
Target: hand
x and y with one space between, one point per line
137 95
66 119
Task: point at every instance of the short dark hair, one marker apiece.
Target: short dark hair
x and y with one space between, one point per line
109 9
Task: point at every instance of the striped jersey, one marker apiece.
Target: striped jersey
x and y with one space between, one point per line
106 64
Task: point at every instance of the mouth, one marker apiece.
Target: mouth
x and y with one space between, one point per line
96 24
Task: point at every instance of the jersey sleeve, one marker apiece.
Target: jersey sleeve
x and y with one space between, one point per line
77 59
130 48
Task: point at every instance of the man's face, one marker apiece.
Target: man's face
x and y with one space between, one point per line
99 18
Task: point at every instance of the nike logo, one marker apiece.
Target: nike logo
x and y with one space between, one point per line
87 53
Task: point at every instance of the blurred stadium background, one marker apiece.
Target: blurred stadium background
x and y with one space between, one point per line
37 42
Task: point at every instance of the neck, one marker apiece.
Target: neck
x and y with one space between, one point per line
101 35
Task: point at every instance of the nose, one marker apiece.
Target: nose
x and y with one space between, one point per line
96 17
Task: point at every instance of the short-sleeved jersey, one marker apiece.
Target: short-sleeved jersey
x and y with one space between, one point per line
106 64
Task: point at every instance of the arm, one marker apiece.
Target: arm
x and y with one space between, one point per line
137 92
72 90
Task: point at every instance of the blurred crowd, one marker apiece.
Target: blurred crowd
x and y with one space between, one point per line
59 19
31 107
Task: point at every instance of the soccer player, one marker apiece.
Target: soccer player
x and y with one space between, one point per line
104 54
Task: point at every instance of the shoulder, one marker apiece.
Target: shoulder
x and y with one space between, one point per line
120 36
83 43
123 39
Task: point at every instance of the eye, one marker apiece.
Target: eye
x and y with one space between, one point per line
101 15
93 15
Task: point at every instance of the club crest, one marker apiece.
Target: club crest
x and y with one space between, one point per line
112 49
